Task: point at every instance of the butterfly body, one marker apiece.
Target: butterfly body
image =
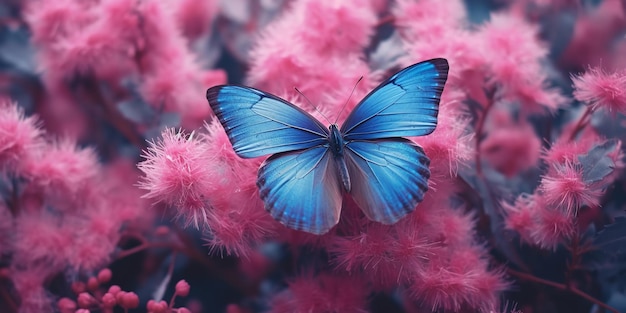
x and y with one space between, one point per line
336 145
312 167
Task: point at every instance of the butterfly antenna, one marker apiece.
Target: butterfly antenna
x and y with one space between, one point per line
346 103
311 104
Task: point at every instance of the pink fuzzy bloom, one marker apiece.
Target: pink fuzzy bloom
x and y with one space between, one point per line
434 29
511 148
41 237
19 135
28 282
62 168
176 174
537 223
89 250
513 53
520 216
449 145
565 150
323 42
564 187
171 76
462 282
601 90
385 255
322 293
194 18
86 51
238 221
551 228
52 20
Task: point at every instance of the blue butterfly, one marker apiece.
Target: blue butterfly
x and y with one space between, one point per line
303 182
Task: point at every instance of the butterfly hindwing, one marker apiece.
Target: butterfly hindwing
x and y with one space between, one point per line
301 189
258 123
404 105
389 177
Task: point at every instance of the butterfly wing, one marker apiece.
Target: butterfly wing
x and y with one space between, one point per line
258 123
389 177
404 105
301 189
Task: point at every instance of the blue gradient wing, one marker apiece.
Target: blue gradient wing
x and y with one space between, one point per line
301 189
258 123
389 177
404 105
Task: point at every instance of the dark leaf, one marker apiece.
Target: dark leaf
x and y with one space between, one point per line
596 163
612 239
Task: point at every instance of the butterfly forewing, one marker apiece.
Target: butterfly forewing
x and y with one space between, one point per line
404 105
258 123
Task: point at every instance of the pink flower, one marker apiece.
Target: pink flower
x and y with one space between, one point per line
41 237
511 148
19 135
462 281
195 17
238 221
62 169
537 223
520 216
512 53
50 21
323 42
601 90
385 255
28 282
551 228
323 292
564 187
176 174
565 150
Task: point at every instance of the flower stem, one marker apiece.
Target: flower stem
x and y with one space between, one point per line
564 287
583 121
480 125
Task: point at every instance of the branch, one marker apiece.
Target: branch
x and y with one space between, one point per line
559 286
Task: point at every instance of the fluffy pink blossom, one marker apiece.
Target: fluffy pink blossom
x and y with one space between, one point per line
385 255
239 221
464 282
552 227
29 284
564 187
511 148
62 168
601 90
321 293
538 223
308 40
194 18
19 135
513 55
176 174
520 216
